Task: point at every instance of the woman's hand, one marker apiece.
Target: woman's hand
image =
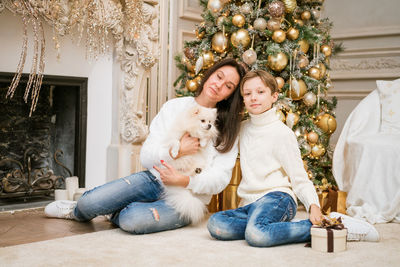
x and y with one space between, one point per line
315 214
170 176
189 145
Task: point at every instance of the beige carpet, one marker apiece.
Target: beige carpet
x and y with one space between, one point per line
192 246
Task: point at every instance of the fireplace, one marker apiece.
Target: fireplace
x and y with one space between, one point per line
38 152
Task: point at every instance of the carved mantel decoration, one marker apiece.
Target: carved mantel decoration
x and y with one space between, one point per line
133 34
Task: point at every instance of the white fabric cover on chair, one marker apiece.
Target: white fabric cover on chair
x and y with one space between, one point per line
366 160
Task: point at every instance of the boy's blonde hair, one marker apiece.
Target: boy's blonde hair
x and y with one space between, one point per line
265 77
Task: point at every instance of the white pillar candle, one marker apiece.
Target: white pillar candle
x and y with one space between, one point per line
61 194
72 184
78 193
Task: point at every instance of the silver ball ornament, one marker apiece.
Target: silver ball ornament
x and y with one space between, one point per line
260 24
309 99
249 56
245 8
215 6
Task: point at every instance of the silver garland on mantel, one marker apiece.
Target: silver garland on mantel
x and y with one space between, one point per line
93 18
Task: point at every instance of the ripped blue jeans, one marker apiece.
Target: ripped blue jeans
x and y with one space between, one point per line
263 223
134 202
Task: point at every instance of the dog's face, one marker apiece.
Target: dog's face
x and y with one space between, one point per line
204 118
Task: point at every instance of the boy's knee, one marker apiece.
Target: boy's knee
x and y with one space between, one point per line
257 238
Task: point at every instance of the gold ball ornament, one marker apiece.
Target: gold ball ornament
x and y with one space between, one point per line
312 137
279 36
306 15
299 21
215 6
208 59
200 35
327 50
317 150
304 46
198 79
249 56
219 42
273 24
303 62
314 73
260 24
298 89
280 115
240 37
276 9
189 52
326 123
280 81
309 99
322 69
278 61
292 33
238 20
290 5
192 85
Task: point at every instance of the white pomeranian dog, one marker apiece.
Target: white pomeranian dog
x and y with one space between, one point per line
199 122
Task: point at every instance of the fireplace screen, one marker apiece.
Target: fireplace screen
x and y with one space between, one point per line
38 152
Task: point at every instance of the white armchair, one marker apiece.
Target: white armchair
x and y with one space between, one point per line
366 160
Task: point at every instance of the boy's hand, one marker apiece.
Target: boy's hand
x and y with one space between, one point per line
170 176
315 214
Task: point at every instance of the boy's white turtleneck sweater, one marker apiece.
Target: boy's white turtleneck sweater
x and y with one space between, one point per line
270 161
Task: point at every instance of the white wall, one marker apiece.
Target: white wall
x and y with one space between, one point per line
71 63
370 33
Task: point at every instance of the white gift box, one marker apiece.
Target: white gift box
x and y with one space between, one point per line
323 240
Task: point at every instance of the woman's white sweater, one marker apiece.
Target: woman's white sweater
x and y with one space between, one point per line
270 161
214 178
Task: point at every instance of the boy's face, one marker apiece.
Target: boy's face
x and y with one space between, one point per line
257 96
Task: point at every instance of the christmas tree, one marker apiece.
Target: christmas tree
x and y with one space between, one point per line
286 38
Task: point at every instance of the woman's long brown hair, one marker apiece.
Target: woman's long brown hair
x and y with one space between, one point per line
230 110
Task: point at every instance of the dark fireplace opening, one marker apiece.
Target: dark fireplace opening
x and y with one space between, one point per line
37 153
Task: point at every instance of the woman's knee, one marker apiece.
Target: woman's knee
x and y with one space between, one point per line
132 224
220 229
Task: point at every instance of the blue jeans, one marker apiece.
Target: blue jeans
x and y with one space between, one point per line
263 223
133 201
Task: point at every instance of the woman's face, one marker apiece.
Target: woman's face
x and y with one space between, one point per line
221 84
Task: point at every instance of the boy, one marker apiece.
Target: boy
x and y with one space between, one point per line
273 176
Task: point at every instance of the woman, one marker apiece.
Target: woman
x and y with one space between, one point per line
135 201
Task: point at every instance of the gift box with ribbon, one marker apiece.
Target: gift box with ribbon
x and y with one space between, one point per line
329 236
330 198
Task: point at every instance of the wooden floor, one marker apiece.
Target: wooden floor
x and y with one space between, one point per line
31 225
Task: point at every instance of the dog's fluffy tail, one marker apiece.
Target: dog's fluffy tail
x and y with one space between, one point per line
188 206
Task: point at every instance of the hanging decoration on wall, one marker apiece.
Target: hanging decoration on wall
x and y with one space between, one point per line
92 20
